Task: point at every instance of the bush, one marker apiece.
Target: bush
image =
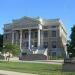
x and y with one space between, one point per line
1 57
24 53
55 57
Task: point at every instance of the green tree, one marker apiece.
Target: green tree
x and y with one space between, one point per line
71 43
11 49
1 42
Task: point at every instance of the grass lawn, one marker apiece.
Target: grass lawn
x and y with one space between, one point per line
40 69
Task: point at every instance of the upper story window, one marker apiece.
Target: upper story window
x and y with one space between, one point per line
53 26
6 36
7 30
34 34
53 33
45 27
45 33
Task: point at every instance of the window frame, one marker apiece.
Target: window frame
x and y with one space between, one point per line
53 33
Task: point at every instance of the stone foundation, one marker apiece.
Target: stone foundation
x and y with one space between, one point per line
33 57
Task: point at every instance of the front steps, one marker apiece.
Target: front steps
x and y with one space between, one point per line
33 57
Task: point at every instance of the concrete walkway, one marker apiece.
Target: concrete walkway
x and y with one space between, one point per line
3 72
43 62
39 61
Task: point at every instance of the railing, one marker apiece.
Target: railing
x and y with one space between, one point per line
41 51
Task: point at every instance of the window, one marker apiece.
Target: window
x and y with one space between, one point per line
45 33
53 26
6 36
53 33
26 34
53 53
26 44
53 44
45 44
45 27
35 44
33 34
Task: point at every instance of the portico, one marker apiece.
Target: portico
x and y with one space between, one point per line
27 36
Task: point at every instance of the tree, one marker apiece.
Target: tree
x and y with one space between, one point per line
69 48
1 42
11 49
71 43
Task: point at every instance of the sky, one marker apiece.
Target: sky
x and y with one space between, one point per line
48 9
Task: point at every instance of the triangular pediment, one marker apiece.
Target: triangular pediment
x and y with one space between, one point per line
26 21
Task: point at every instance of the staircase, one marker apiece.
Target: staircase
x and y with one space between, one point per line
33 57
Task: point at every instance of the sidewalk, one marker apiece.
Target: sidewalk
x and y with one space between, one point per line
3 72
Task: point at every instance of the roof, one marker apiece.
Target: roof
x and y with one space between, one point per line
35 21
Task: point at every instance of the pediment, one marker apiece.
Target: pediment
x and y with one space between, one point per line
25 21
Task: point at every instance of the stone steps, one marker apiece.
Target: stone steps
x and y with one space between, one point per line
33 57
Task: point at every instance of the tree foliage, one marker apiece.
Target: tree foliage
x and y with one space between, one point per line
71 42
11 48
1 42
72 36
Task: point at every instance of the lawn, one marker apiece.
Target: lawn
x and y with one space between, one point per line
36 68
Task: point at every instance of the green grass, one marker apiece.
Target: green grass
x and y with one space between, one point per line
41 69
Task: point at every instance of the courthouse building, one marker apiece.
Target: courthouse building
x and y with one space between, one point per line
37 35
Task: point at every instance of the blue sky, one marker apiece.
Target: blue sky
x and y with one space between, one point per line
14 9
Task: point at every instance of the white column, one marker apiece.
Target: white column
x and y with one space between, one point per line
38 38
21 40
41 38
29 31
12 37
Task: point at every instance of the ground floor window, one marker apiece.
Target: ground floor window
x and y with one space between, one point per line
35 44
54 44
45 44
25 44
53 53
